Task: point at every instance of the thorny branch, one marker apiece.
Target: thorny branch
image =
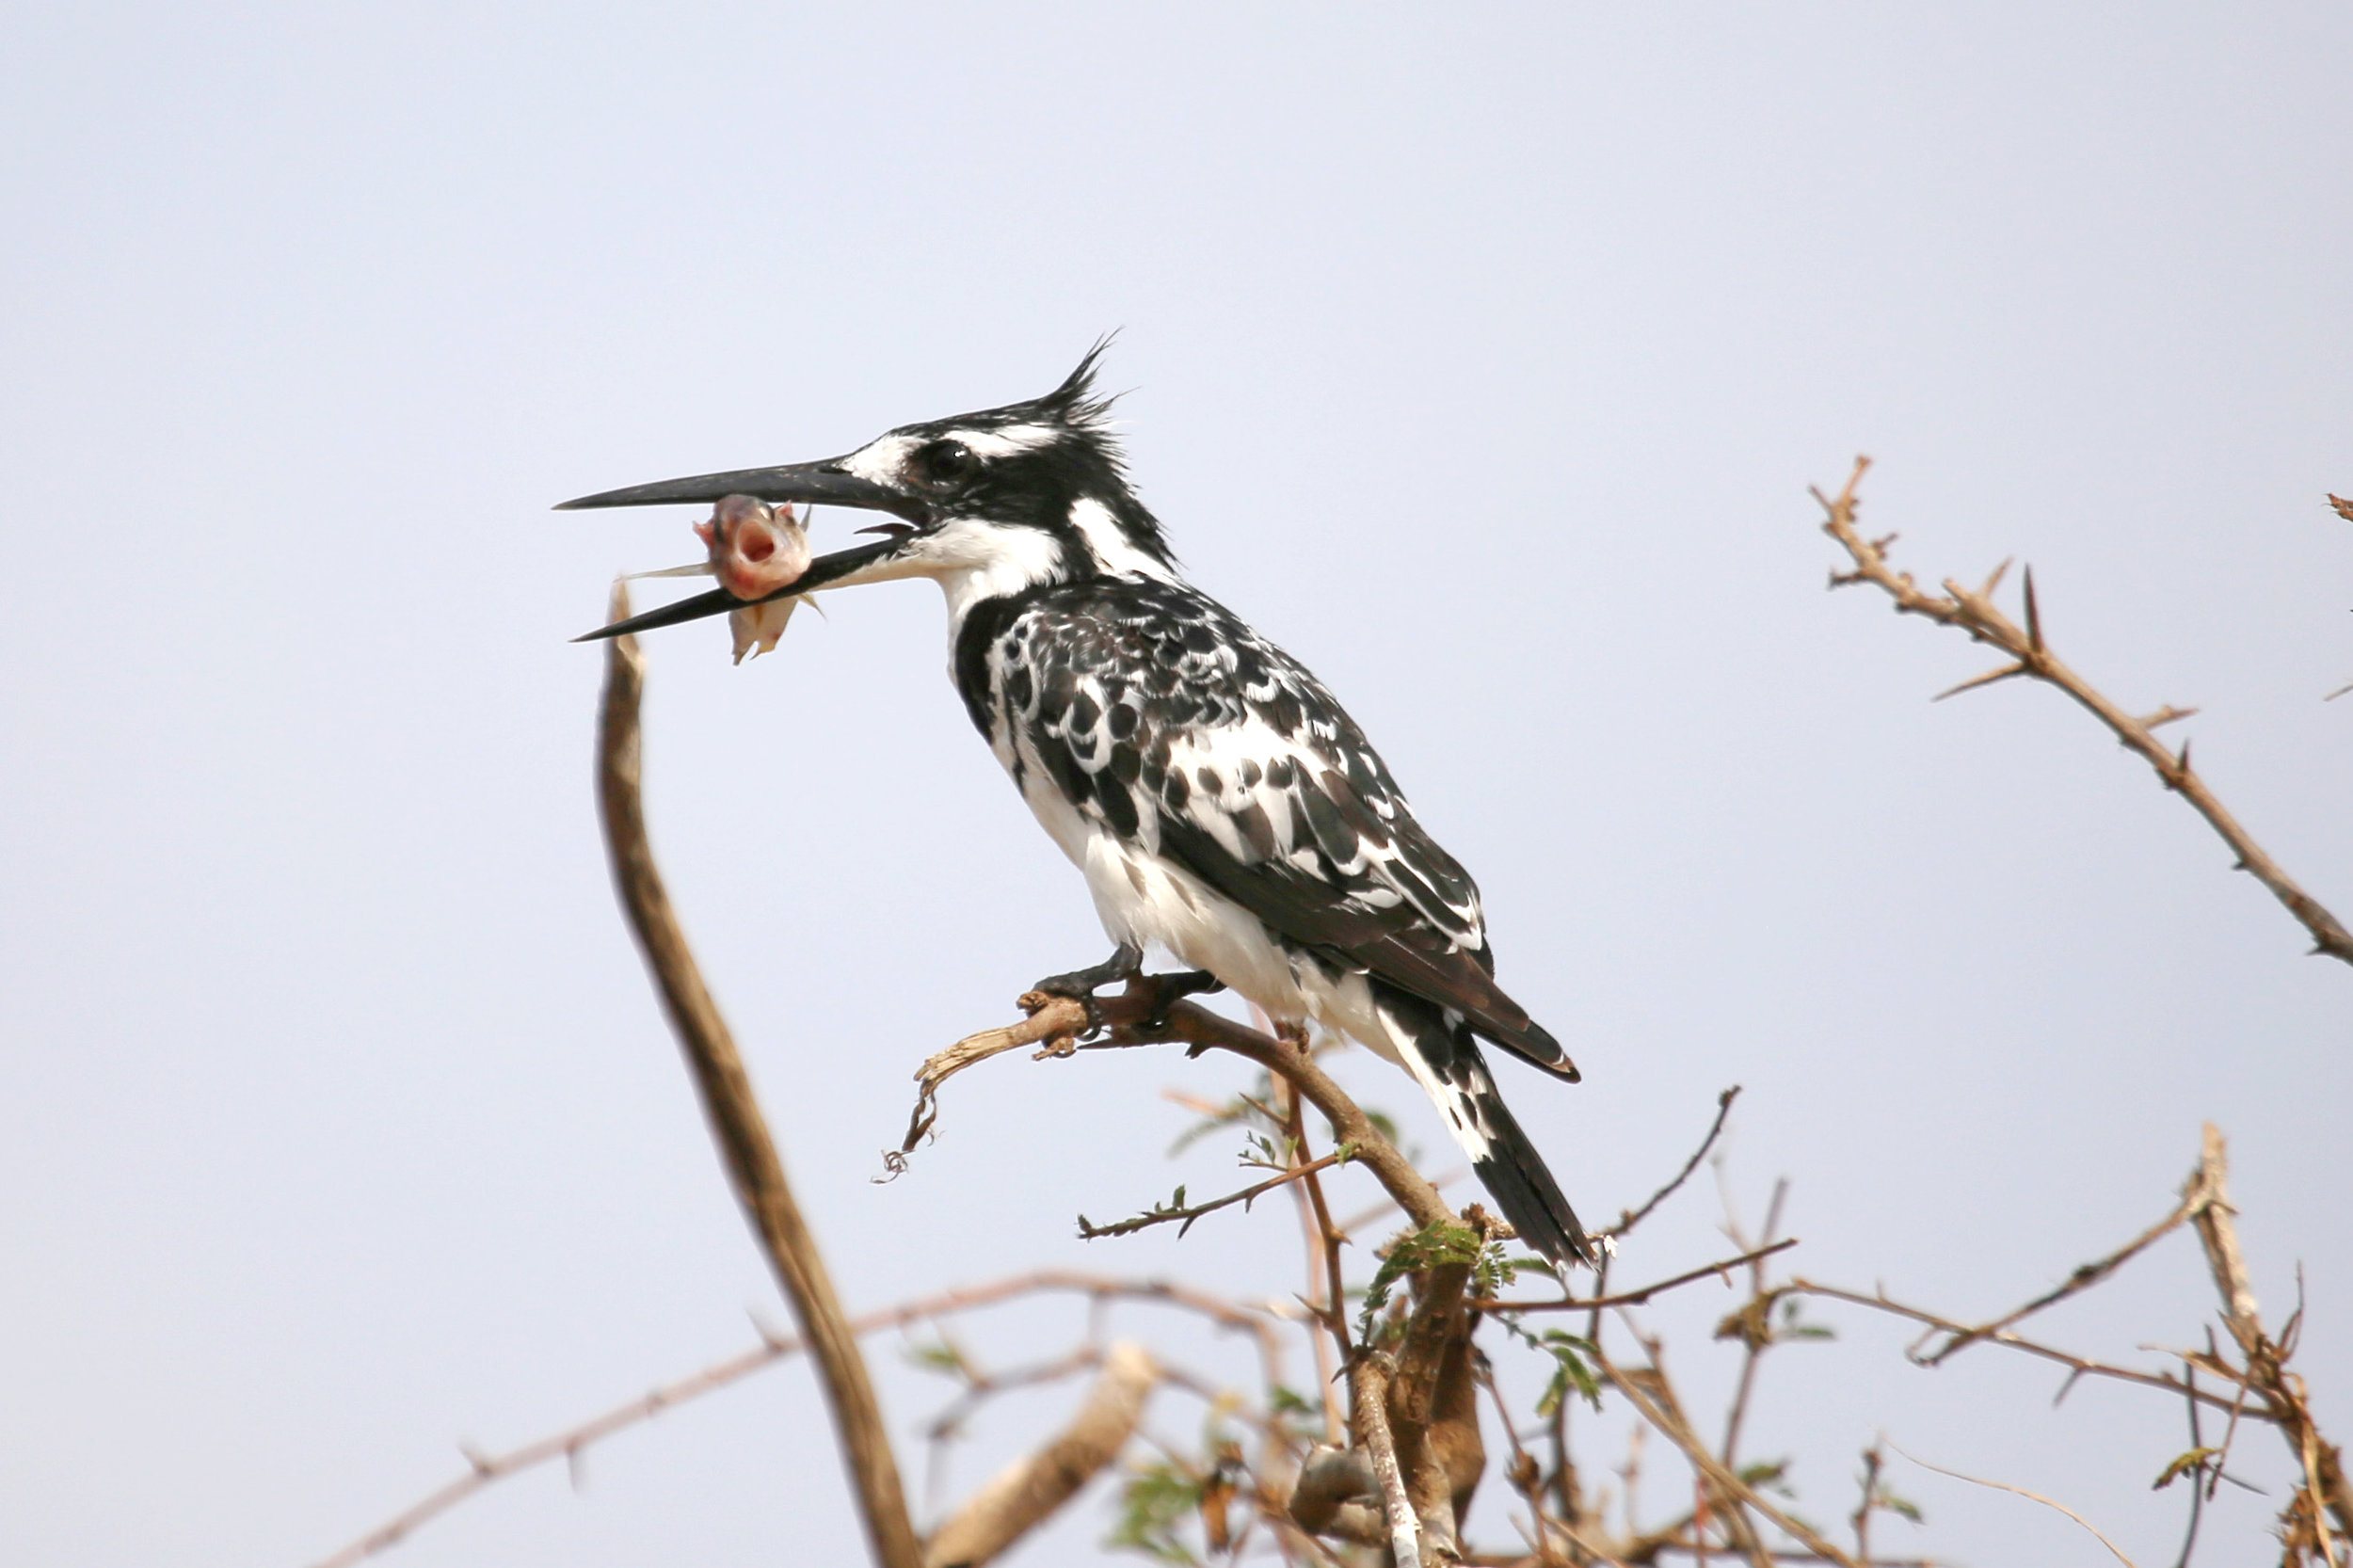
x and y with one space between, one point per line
1722 1268
1188 1213
1630 1218
573 1441
1972 611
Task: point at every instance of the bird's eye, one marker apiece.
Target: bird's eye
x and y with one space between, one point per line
944 463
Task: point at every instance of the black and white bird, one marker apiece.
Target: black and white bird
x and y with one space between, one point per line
1222 805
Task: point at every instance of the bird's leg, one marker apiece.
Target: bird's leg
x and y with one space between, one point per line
1079 986
1169 989
1127 963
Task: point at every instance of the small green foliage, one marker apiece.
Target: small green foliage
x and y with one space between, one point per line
942 1358
1753 1326
1769 1474
1883 1497
1569 1368
1496 1268
1435 1243
2183 1465
1297 1418
1792 1328
1089 1230
1154 1505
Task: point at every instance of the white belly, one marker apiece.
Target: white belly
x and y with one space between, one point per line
1145 900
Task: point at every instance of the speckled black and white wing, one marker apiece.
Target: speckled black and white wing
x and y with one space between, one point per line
1166 723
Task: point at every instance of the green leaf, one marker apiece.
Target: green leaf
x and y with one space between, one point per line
2183 1465
1440 1241
1156 1502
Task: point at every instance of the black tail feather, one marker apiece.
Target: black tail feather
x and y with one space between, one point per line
1444 1055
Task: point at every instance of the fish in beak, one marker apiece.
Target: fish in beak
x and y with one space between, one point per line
759 548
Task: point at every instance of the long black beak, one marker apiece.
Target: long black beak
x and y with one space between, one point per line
825 484
812 483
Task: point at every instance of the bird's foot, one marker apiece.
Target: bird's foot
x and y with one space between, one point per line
1167 990
1079 986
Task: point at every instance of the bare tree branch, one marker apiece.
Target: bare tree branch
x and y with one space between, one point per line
736 1122
1722 1268
1971 610
2077 1366
570 1444
1030 1490
1631 1218
2114 1550
1670 1425
2325 1494
1369 1381
2194 1198
1188 1213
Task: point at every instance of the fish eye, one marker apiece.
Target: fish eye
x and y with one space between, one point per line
944 463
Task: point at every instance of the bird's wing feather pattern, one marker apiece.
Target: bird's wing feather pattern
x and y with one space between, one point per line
1177 728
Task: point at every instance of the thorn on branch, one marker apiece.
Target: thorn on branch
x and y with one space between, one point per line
2167 714
2034 616
1988 678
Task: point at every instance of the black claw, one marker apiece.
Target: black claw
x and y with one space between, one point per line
1169 989
1079 986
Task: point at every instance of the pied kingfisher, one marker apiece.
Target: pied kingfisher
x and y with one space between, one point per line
1220 803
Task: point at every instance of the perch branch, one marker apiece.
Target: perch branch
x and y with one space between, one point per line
736 1122
1058 1025
1972 611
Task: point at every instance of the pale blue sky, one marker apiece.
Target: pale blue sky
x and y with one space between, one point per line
1482 362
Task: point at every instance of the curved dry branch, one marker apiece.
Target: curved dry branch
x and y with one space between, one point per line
1972 611
736 1122
1027 1492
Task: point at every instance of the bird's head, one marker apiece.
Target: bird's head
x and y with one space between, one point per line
989 503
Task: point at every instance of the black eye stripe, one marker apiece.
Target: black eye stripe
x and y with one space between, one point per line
944 462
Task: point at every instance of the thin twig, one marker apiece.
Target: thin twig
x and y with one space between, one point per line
1679 1432
1756 1328
483 1469
1721 1269
2079 1365
1972 611
1628 1221
1188 1213
737 1124
2036 1497
2083 1278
